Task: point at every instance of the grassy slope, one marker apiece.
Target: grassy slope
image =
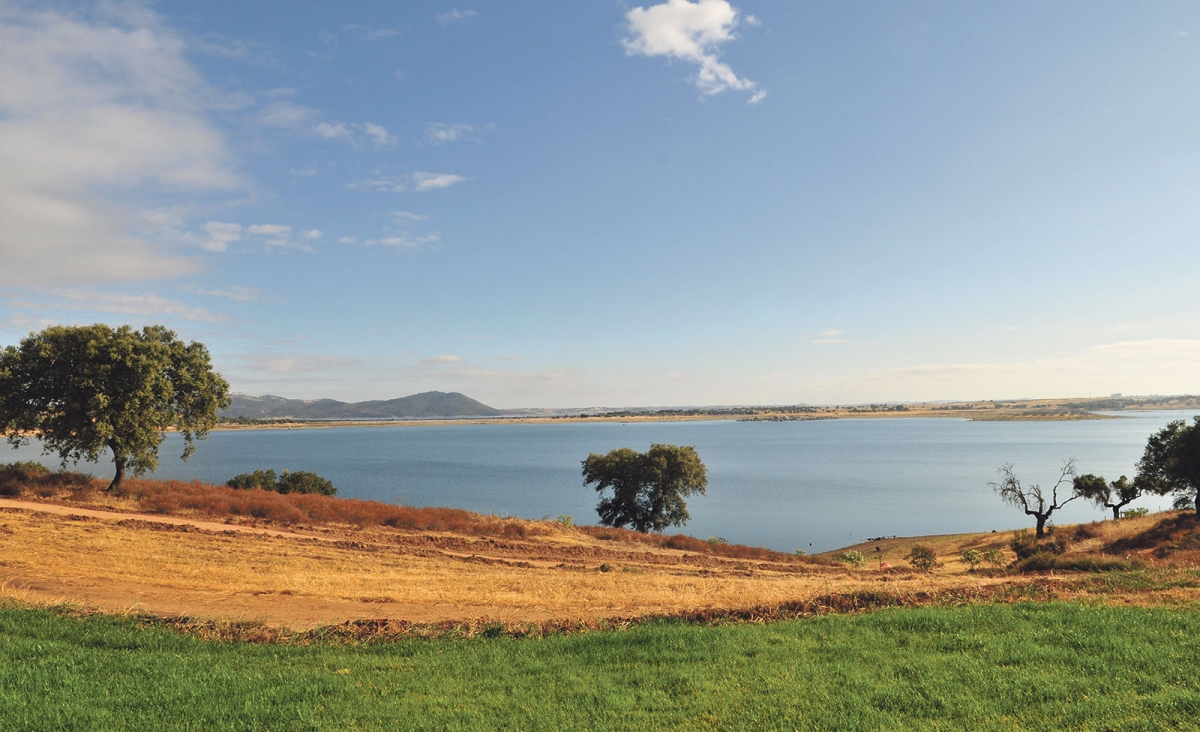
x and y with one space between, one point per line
984 667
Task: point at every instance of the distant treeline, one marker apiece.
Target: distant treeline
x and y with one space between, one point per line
253 421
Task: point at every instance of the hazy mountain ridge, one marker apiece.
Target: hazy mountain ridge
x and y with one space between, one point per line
429 404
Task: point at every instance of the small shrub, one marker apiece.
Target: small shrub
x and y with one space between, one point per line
973 557
1084 531
717 540
801 553
1024 545
994 558
852 557
605 568
923 558
1135 512
566 520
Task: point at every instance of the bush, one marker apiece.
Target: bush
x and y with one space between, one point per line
1134 512
263 480
717 540
300 481
994 557
852 557
16 478
923 558
566 520
303 481
972 557
1024 545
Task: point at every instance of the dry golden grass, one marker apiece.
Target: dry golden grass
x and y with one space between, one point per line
346 560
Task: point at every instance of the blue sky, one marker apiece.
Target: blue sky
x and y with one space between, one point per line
601 203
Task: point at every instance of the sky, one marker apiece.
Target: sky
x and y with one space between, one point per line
600 203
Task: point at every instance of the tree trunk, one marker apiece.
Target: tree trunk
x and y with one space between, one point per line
116 481
1041 526
1116 512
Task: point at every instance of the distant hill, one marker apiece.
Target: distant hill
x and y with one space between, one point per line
429 404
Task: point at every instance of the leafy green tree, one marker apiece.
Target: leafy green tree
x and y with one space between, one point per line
923 558
303 481
1171 463
300 481
1120 493
81 389
263 480
1032 499
648 489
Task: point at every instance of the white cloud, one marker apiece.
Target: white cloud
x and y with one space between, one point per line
408 216
269 229
121 303
303 173
402 241
455 16
333 131
420 181
346 131
430 181
221 235
97 114
829 333
380 33
444 358
378 134
348 240
235 292
692 32
440 132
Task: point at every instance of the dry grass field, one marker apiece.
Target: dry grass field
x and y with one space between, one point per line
191 550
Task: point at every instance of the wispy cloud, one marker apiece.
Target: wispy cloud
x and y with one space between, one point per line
351 131
118 302
445 358
419 182
442 132
234 292
455 16
219 235
693 32
101 116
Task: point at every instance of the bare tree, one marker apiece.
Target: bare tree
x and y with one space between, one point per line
1032 499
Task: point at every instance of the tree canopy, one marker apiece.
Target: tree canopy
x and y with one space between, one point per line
81 389
648 489
1171 462
1115 495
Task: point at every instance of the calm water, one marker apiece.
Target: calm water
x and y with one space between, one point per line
785 485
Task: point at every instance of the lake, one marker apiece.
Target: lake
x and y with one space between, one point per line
814 485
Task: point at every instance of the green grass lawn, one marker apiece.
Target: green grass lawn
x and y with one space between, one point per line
1032 666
